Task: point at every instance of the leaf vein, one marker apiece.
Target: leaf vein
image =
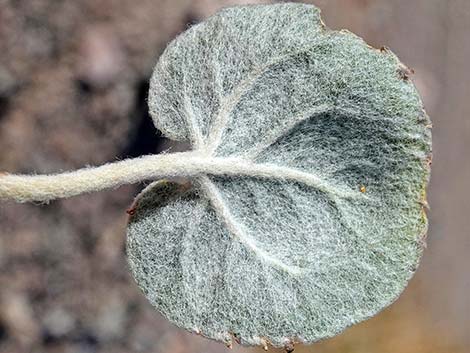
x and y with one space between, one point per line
237 229
230 101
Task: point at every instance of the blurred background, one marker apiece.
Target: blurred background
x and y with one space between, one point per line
73 85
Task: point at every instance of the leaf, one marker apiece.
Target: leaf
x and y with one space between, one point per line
320 222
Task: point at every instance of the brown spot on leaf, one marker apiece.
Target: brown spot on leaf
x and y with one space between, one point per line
131 211
405 73
424 203
236 337
289 347
429 160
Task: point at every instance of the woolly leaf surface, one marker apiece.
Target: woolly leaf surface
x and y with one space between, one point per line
323 225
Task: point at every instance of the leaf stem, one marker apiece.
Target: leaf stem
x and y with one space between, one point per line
44 188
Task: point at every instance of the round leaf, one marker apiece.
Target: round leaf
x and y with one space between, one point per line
320 223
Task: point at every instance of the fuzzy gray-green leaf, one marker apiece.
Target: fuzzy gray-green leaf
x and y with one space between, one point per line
320 223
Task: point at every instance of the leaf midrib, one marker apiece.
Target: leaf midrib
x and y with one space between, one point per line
245 166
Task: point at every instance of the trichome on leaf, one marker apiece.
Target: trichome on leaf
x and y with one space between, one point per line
308 167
